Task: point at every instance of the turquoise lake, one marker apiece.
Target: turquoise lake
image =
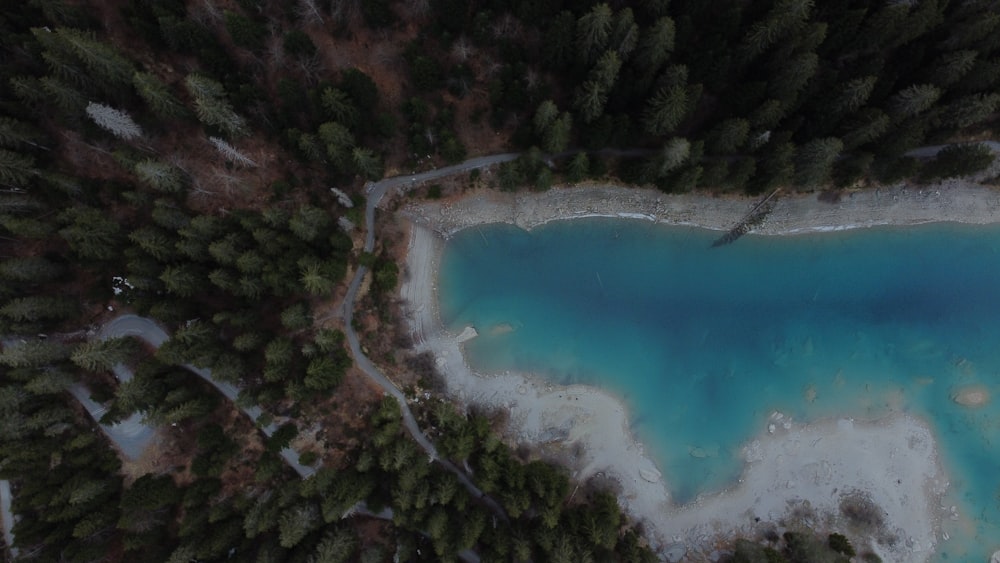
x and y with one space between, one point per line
703 344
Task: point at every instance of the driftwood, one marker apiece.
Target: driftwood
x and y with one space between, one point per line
754 217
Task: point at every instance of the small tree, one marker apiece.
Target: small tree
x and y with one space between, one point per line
117 122
157 96
914 100
959 160
546 113
593 30
99 355
814 161
160 176
855 94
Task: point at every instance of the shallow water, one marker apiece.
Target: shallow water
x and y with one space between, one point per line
703 344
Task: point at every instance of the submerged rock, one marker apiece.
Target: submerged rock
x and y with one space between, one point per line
971 396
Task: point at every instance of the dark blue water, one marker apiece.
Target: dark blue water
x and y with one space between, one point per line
703 344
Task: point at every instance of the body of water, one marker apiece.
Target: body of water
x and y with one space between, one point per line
704 344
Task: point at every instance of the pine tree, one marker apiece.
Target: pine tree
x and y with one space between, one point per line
546 113
855 94
784 17
728 136
578 168
33 269
315 280
657 44
339 106
665 110
48 381
950 67
624 33
296 522
556 139
970 110
959 160
28 89
870 124
674 153
117 122
606 70
15 134
63 96
590 100
160 176
296 317
593 30
914 100
37 307
310 223
791 76
157 96
90 233
33 353
814 161
323 374
15 169
182 279
559 37
336 547
245 32
212 107
366 163
106 63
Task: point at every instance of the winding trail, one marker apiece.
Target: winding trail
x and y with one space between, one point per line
375 193
155 336
932 150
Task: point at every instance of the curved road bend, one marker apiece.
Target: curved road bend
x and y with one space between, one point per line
375 192
152 334
7 518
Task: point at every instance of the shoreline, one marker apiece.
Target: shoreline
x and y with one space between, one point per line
587 428
950 201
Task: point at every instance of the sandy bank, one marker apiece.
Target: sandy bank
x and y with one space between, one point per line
954 200
819 473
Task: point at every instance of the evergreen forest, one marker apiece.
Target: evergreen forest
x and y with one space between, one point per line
204 163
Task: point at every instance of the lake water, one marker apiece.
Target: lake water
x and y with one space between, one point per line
703 344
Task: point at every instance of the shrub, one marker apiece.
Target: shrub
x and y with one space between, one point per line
308 458
840 544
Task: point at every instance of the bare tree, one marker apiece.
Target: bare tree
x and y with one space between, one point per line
461 49
417 8
117 122
232 153
507 26
344 10
312 67
309 12
206 13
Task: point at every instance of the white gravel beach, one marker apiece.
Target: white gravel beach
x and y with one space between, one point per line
815 472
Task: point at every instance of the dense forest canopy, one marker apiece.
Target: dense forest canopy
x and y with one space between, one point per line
175 159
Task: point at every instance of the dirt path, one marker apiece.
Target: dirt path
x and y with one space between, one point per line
376 192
